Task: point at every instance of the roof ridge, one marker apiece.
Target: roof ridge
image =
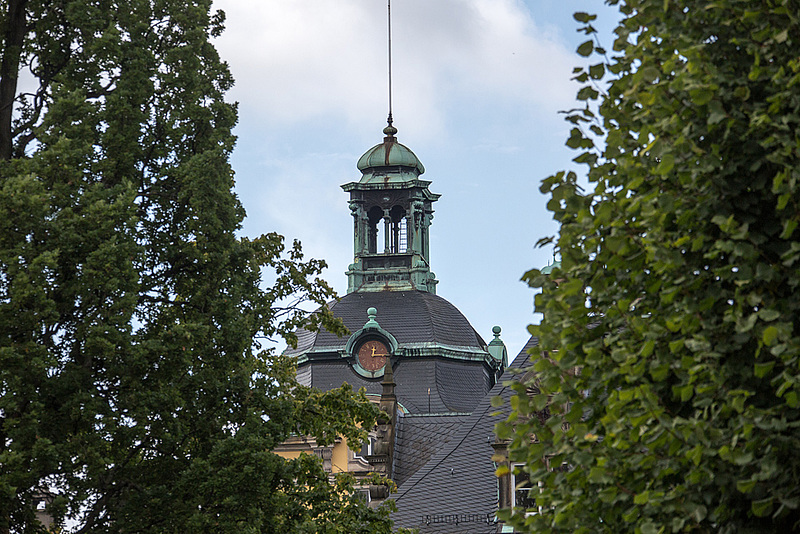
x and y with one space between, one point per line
450 447
480 411
429 314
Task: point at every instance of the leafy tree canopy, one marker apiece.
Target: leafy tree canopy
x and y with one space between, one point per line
671 331
130 392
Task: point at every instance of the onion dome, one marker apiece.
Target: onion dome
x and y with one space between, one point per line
390 153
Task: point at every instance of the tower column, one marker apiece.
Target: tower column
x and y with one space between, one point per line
387 232
417 212
426 223
358 228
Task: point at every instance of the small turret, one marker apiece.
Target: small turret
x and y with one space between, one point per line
498 349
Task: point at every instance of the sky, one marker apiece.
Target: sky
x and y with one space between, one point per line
477 86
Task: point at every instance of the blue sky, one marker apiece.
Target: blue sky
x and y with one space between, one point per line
477 87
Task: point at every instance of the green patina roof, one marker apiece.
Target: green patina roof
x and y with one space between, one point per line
497 348
390 153
549 268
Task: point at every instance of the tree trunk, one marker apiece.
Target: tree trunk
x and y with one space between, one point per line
9 71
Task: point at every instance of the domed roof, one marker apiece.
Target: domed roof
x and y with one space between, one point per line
414 318
390 153
549 267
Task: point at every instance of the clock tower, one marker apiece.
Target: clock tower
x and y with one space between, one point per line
392 211
439 363
416 354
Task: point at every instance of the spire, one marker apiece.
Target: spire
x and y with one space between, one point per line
389 39
392 211
390 130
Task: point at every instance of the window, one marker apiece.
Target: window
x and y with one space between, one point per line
523 493
363 494
367 446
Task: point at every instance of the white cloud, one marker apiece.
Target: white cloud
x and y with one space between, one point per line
296 60
477 84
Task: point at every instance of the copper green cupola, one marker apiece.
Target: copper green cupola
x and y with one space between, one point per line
392 211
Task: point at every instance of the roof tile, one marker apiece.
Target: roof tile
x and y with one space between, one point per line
456 490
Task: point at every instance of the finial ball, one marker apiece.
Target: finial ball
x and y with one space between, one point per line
372 313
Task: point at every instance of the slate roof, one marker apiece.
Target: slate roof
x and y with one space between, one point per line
455 386
456 490
418 438
414 318
304 376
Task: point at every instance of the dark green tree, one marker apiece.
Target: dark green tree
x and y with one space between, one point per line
671 331
132 391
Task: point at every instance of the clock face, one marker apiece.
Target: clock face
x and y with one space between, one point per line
372 355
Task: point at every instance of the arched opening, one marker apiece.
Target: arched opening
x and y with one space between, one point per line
374 215
392 235
398 238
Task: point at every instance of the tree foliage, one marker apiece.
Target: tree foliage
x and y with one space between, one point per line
671 331
130 312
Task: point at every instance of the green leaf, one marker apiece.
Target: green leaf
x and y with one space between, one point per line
762 507
586 48
746 324
576 138
666 164
788 228
698 512
597 71
676 346
742 92
716 112
648 527
580 16
745 486
684 392
695 455
701 97
768 314
770 335
760 370
650 73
